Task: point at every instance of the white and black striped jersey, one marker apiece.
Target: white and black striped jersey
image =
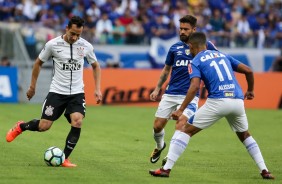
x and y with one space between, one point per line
68 60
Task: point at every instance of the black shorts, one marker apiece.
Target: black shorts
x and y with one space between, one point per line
55 104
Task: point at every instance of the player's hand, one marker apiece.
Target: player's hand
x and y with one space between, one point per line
154 95
249 95
98 96
30 93
176 114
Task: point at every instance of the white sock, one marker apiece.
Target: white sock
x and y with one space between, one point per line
159 138
176 148
255 153
174 136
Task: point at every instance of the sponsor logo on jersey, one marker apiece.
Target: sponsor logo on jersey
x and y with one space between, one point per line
211 56
190 68
60 43
226 86
182 62
49 110
228 94
180 47
179 52
71 66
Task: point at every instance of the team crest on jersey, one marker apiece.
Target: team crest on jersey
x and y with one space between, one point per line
80 51
187 51
49 110
190 68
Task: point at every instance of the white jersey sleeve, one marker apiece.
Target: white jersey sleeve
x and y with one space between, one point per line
46 52
90 55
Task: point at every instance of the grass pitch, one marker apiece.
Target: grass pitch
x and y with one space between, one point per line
116 143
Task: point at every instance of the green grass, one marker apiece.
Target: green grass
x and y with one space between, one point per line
116 143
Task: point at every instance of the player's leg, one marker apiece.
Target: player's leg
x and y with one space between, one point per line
75 113
188 112
50 112
239 123
165 108
202 119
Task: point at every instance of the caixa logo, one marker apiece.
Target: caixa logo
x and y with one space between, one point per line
5 86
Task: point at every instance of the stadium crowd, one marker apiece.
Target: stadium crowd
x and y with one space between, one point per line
228 23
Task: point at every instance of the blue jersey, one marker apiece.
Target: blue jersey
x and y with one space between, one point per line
216 70
179 57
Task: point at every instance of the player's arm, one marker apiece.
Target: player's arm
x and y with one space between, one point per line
163 77
35 73
97 78
242 68
191 93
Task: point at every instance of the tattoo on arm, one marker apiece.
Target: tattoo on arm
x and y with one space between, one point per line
162 79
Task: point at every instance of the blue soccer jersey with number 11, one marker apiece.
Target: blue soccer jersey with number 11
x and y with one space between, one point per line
216 70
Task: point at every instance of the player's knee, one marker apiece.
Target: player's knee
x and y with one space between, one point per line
76 122
44 125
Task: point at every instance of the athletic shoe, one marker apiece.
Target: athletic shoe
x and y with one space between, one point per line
160 172
164 161
266 175
155 156
14 132
67 163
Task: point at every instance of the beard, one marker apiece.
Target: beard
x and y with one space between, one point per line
184 38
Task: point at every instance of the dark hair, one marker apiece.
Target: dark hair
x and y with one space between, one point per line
77 21
197 39
189 19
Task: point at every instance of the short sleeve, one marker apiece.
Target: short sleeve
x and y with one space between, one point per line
193 69
234 62
46 52
90 55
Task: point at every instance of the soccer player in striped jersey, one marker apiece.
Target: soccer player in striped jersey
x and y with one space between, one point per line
225 100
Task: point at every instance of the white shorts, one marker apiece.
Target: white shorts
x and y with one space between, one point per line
214 109
169 103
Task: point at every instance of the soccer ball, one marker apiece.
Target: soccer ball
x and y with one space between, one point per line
54 156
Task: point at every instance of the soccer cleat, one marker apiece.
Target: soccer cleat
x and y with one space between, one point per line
67 163
14 132
160 172
155 156
164 161
266 175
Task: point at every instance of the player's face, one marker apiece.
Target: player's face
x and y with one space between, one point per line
73 33
185 30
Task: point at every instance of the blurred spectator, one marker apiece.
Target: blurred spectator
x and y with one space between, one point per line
104 29
30 9
134 32
5 61
243 32
126 18
50 19
89 29
93 11
118 33
6 9
28 33
78 9
217 22
18 14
